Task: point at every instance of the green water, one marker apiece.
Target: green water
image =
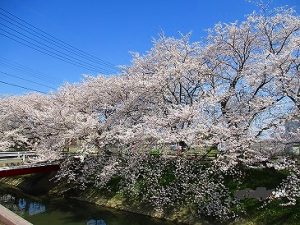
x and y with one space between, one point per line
44 211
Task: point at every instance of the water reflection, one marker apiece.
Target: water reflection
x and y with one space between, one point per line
36 208
21 205
45 211
96 222
6 198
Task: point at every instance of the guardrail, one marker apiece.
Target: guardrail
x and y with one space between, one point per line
28 169
16 154
8 217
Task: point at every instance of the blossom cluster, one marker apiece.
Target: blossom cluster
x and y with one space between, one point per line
235 93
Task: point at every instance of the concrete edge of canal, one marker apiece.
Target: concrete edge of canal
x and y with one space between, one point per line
8 217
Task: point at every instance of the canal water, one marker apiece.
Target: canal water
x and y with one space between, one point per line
41 211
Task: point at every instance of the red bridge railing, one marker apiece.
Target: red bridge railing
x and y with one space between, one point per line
16 171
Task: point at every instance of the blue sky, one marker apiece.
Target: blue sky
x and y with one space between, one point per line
107 29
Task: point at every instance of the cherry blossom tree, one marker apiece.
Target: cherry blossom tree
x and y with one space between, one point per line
231 92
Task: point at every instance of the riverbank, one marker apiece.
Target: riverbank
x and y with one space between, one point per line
272 214
32 183
45 210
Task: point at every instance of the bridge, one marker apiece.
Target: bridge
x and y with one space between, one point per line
15 164
28 169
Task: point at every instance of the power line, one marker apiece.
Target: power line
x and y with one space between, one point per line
24 69
44 51
53 50
37 32
19 86
30 81
54 41
52 38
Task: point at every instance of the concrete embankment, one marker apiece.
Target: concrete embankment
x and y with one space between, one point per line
8 217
